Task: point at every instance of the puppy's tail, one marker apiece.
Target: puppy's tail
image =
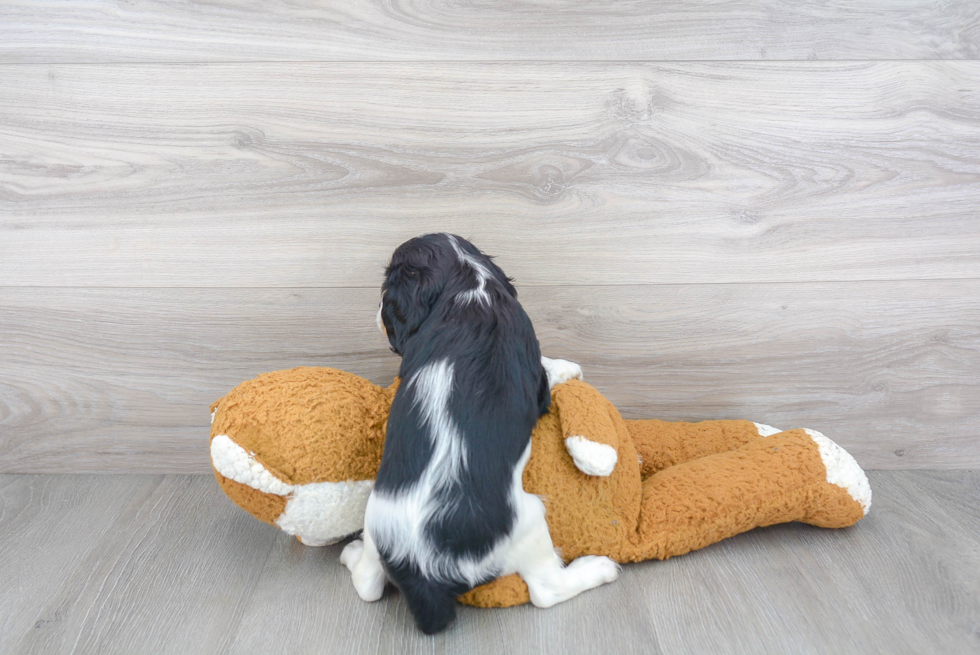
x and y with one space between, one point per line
433 604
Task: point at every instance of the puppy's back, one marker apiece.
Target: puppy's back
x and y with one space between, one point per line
459 425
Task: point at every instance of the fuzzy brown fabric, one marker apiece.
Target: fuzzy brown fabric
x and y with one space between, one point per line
698 483
308 424
304 425
263 506
662 444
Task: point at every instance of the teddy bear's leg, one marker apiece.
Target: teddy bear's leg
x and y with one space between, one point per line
367 573
797 475
533 556
661 444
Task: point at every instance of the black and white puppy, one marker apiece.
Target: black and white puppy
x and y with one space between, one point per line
448 511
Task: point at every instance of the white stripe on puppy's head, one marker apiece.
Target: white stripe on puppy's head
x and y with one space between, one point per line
482 273
431 268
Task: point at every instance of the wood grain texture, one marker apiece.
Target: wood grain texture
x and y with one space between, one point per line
297 620
152 30
865 589
170 564
49 525
102 380
159 579
310 174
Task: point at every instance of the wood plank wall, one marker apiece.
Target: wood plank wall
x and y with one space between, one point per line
765 210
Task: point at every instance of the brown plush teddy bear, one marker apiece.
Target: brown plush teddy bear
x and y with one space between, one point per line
299 449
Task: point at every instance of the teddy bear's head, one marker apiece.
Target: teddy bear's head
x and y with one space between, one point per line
295 446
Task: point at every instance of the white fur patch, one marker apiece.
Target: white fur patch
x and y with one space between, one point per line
232 461
766 430
590 457
434 383
367 572
482 275
322 513
397 521
843 470
381 323
560 370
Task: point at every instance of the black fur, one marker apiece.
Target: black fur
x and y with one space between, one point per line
500 389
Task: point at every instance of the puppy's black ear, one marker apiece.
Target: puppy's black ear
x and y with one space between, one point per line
409 294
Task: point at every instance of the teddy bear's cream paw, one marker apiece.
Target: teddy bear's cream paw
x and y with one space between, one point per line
590 457
843 470
351 554
560 370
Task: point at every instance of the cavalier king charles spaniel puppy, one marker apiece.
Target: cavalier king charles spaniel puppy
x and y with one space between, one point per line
448 511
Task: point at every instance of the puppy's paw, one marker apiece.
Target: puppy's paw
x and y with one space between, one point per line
590 457
560 370
599 570
351 554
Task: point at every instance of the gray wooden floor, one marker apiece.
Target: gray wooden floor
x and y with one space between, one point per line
140 564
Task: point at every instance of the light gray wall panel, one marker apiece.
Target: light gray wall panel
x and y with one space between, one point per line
310 174
121 379
365 30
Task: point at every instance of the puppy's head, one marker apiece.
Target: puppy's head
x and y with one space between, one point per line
422 270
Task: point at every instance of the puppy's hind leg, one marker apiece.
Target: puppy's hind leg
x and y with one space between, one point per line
367 572
533 556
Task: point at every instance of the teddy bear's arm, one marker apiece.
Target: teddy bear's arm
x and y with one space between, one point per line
587 427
